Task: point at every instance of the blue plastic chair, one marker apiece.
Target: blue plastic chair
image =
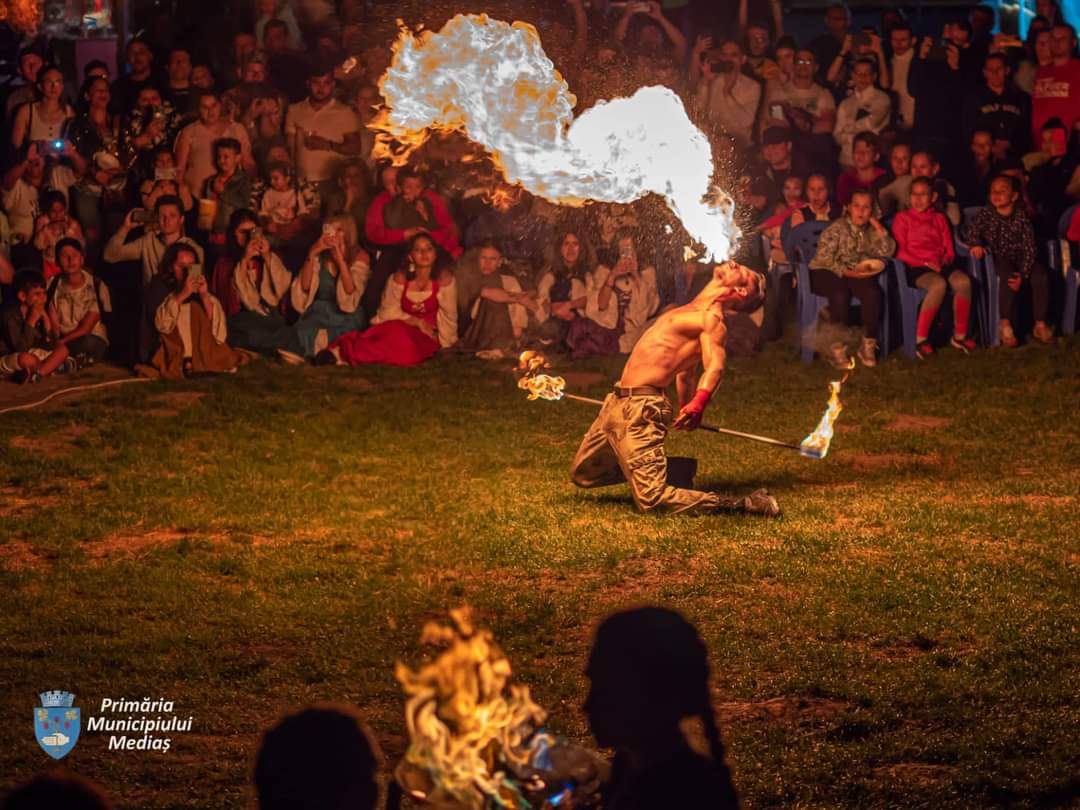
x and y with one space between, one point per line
800 246
910 299
1070 273
984 294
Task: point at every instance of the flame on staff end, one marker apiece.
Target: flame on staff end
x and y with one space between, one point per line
465 733
493 82
816 445
539 385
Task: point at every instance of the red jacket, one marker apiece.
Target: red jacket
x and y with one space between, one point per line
922 238
445 232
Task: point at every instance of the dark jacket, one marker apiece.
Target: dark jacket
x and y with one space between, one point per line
1007 116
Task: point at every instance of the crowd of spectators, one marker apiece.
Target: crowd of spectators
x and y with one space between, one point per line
200 209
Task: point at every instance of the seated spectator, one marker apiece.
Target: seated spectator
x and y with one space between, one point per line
973 179
810 111
139 75
867 109
726 95
1001 109
352 194
51 226
229 187
29 174
183 329
95 134
241 225
766 187
1051 179
328 289
561 291
819 207
195 143
418 315
864 171
320 758
46 118
78 303
924 243
264 118
793 201
150 124
258 284
925 164
150 247
29 338
835 273
1003 230
178 90
864 46
1056 93
640 715
493 310
59 790
896 183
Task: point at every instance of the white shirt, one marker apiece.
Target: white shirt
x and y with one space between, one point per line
901 65
876 104
734 111
332 121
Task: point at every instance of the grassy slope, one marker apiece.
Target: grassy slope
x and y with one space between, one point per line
905 636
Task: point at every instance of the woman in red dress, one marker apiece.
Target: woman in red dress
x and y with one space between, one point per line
418 314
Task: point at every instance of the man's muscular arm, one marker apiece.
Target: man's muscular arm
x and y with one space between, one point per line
713 358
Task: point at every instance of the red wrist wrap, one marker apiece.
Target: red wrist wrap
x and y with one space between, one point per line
700 400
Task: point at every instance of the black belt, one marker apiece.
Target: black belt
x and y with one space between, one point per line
639 391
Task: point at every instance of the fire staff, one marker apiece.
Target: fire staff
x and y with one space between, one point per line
626 442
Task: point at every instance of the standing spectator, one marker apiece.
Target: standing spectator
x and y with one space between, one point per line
849 241
77 303
864 172
1038 55
46 118
865 110
95 134
1003 230
652 35
150 248
287 68
267 10
229 186
837 26
178 90
937 83
31 60
777 164
29 174
321 130
973 178
902 42
29 346
1000 108
150 125
924 243
140 74
1057 86
758 63
726 95
866 45
195 143
809 109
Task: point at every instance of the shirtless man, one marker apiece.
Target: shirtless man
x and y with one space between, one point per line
626 442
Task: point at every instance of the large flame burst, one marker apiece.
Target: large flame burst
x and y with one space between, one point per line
493 82
816 445
465 732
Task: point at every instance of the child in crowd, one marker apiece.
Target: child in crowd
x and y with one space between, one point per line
76 303
864 171
52 225
282 203
230 186
819 207
924 243
1004 230
29 349
793 201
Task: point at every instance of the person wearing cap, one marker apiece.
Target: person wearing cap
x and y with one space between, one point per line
778 163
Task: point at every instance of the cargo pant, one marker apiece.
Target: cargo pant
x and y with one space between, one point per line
626 443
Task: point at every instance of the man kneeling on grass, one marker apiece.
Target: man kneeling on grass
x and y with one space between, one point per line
28 337
626 442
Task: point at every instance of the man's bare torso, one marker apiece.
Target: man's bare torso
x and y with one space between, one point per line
672 345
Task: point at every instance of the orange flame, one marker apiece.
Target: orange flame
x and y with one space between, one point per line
816 445
493 82
464 730
22 15
540 386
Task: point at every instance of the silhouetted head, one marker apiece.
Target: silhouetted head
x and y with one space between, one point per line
59 790
320 758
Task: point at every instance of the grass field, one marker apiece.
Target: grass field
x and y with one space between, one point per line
905 636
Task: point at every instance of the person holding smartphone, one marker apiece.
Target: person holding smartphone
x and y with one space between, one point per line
725 93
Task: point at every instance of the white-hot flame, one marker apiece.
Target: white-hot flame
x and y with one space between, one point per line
539 385
493 82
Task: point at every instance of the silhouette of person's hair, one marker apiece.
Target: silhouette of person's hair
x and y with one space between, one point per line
320 758
58 790
649 670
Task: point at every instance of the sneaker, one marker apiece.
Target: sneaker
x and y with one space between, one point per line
965 344
1006 335
291 358
1042 333
84 361
324 358
760 502
69 366
924 349
838 356
24 377
868 352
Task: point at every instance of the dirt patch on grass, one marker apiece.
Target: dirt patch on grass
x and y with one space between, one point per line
883 461
18 555
14 500
920 774
55 444
908 423
172 403
791 710
116 546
